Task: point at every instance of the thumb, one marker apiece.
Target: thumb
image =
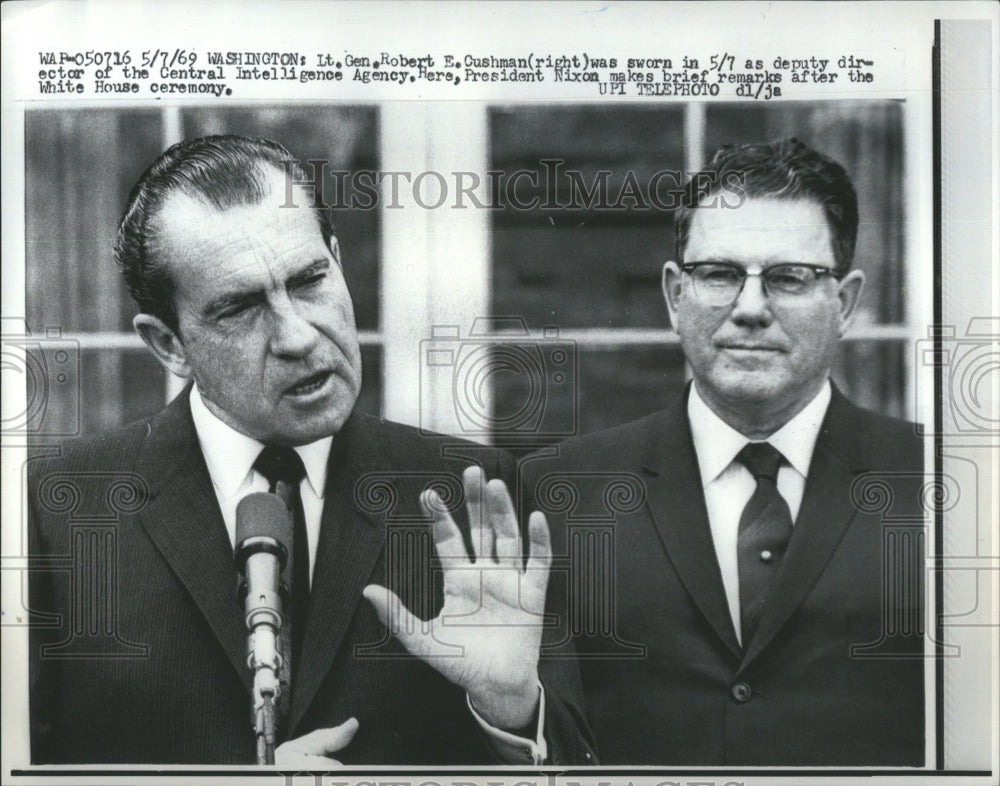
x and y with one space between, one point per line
324 741
397 618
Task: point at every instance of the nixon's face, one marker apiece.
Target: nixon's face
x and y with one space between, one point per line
265 320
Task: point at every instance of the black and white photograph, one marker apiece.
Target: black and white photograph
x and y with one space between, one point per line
426 391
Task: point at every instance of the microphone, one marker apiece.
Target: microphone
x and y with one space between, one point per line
263 532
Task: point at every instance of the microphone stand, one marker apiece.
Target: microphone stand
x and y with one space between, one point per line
263 529
264 661
265 657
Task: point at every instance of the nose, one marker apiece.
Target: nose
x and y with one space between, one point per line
292 333
752 306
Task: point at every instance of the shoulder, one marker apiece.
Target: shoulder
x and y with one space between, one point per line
893 442
881 427
621 445
408 447
85 477
115 449
141 446
888 442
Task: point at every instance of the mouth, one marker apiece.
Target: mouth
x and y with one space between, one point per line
738 347
309 385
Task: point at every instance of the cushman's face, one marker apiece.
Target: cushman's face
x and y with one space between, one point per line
266 323
759 360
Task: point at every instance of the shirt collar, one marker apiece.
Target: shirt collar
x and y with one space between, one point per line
230 454
716 443
797 438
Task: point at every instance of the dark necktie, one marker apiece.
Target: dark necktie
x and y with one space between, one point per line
765 528
284 472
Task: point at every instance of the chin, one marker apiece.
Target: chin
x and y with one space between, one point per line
295 429
753 387
326 427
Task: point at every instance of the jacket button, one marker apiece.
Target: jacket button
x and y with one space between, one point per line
741 692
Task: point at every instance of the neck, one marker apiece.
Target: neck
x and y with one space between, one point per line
758 420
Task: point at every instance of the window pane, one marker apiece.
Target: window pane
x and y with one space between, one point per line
872 374
609 387
588 252
79 168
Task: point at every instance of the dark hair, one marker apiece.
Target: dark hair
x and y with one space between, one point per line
222 171
786 169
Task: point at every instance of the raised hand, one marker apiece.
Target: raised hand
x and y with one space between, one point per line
487 636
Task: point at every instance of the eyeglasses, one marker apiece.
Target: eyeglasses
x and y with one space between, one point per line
720 283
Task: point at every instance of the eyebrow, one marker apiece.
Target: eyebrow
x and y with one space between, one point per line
316 266
252 297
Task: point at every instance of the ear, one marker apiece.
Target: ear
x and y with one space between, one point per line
849 294
671 285
164 343
335 250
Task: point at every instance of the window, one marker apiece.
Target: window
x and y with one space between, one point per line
590 271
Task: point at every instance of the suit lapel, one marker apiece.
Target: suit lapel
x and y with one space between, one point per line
350 542
823 518
676 502
184 522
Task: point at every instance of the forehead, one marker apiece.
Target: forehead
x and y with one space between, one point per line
762 229
202 244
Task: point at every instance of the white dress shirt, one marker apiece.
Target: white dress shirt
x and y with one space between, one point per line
728 485
230 456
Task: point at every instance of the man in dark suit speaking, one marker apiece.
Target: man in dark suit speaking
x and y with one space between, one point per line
751 557
139 652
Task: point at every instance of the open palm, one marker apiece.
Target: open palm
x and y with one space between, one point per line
487 635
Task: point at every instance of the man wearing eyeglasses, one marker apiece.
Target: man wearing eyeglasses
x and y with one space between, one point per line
758 609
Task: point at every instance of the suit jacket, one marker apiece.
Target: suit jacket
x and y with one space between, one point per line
138 650
835 673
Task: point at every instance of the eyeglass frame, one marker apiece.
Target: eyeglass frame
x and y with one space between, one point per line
820 271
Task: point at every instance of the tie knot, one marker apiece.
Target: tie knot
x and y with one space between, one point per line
761 458
280 464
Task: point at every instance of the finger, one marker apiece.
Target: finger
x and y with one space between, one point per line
482 537
397 618
503 521
447 537
322 742
540 559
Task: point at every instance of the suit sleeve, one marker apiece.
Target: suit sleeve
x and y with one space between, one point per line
567 735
